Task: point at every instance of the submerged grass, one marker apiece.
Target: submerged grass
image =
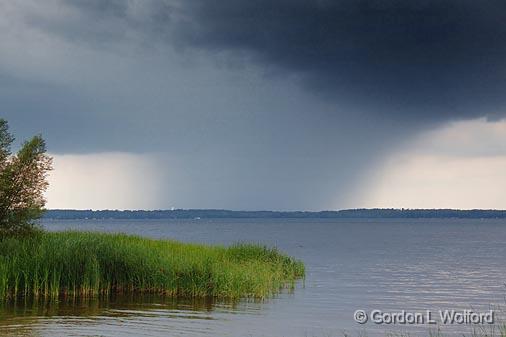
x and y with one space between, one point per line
77 264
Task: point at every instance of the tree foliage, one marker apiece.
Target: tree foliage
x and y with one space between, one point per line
23 180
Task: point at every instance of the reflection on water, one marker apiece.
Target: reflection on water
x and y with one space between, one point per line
125 315
391 265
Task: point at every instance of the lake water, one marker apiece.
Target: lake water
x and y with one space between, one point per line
389 265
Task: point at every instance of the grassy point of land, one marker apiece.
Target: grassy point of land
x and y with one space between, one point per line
79 264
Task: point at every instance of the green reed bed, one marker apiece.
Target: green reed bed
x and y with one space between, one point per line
63 264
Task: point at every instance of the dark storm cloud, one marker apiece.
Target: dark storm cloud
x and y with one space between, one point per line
149 76
426 60
415 59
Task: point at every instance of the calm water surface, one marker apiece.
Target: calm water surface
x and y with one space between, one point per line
391 265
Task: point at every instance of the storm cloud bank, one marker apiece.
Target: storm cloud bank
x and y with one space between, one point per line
411 59
282 104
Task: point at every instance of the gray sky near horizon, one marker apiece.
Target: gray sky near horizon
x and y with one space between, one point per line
251 105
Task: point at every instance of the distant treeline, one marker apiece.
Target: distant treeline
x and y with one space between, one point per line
217 213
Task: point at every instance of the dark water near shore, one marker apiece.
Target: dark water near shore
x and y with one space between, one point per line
390 265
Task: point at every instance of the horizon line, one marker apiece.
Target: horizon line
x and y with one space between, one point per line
277 211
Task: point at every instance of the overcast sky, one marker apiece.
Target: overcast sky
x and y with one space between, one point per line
268 104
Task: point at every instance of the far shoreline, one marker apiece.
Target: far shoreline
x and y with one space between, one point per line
374 213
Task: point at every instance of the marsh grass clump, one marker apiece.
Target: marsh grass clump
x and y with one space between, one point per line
80 264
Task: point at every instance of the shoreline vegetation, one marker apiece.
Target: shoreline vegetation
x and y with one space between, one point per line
74 264
39 264
377 213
